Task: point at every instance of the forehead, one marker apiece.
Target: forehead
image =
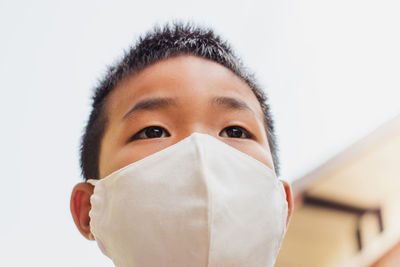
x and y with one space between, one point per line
190 79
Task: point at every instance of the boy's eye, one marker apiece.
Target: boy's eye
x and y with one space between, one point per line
151 132
235 132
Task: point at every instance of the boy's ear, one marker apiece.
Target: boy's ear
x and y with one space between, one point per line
289 199
80 207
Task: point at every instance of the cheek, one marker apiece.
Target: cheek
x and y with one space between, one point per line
131 153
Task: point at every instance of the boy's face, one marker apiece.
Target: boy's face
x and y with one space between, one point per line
175 98
167 102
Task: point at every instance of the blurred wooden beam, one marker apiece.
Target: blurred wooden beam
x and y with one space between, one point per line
383 132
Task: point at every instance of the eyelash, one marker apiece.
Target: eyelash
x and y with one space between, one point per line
246 133
136 136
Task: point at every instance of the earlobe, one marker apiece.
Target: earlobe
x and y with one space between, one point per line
289 199
80 207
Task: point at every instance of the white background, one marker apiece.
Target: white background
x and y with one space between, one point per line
331 69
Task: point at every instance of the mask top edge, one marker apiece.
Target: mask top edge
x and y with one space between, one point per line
173 147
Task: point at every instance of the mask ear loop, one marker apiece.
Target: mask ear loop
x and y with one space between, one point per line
91 236
92 182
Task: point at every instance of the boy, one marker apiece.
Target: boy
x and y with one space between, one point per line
179 158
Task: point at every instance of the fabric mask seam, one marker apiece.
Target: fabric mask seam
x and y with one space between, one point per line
203 167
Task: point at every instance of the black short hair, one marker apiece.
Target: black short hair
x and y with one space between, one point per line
159 44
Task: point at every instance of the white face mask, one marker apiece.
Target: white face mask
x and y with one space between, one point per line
197 203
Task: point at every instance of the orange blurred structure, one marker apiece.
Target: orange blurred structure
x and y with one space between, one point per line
348 209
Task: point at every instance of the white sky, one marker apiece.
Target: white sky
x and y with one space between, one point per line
331 69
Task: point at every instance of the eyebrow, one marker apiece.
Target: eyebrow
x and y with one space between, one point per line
231 103
156 103
151 104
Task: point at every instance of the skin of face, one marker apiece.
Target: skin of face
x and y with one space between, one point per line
166 102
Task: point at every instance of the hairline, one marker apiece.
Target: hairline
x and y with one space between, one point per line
127 67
